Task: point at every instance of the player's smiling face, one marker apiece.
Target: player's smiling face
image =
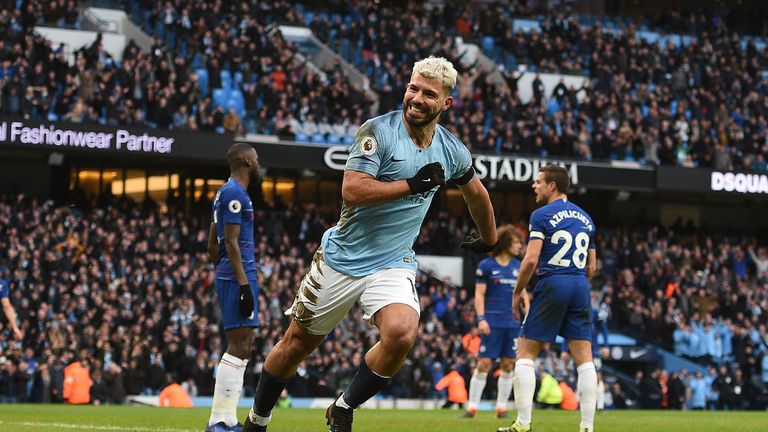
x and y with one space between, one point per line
424 100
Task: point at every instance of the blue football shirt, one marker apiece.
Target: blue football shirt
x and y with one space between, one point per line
233 206
567 232
5 288
500 282
371 238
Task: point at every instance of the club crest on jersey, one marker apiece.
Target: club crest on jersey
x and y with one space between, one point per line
369 145
235 206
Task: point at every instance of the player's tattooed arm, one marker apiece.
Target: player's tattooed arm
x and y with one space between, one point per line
481 209
213 245
359 189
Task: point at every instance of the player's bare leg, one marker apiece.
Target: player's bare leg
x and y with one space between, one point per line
524 384
229 380
476 386
398 325
586 386
505 386
279 367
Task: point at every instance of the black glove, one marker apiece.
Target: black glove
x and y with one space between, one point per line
426 178
473 242
246 301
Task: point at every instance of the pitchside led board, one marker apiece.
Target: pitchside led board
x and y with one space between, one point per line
112 140
699 180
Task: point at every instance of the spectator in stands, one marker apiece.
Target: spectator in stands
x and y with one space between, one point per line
99 390
698 386
232 123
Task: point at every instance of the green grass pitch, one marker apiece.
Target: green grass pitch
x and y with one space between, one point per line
141 419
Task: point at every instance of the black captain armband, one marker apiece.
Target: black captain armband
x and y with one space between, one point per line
466 178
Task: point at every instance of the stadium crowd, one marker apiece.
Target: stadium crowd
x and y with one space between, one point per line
698 103
125 290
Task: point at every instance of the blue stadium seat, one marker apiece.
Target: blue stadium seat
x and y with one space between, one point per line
220 130
318 138
333 139
302 137
219 97
348 140
226 79
202 78
237 105
488 43
553 107
52 116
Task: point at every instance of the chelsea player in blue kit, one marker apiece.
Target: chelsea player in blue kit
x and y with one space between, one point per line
496 278
561 243
396 165
230 246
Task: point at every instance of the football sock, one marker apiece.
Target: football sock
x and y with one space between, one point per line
268 391
227 390
365 384
586 389
476 387
505 389
525 385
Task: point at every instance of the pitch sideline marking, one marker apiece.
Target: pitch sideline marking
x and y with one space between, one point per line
92 427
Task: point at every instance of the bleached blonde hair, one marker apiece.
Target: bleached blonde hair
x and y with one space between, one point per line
437 68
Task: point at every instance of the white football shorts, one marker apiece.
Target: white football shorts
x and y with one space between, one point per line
326 296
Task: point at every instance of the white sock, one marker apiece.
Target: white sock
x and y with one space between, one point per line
226 392
525 385
340 402
259 420
505 389
476 387
586 390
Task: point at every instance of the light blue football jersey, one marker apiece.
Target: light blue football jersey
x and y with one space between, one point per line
371 238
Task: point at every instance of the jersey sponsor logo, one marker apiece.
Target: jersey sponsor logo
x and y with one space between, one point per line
368 145
235 206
